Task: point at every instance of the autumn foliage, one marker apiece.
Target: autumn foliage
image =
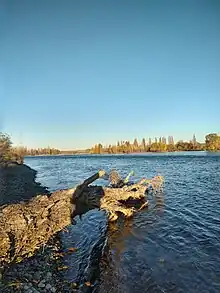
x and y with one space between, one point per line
158 145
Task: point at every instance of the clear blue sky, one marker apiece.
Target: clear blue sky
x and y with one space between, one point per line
74 73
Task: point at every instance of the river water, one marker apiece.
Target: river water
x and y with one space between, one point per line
174 246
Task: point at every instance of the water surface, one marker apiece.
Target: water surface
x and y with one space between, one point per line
172 247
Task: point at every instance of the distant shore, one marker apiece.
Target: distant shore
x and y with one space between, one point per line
133 153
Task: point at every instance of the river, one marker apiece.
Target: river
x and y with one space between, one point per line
174 246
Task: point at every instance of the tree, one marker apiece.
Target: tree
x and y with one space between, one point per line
5 144
99 148
184 146
170 140
7 153
164 140
212 142
135 145
171 147
194 141
128 147
143 145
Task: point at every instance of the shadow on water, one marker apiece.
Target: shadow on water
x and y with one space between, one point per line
113 271
101 253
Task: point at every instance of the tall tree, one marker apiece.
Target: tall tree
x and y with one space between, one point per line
135 145
194 141
164 141
143 145
170 140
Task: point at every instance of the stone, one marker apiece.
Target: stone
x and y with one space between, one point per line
35 290
27 276
53 289
37 275
26 287
48 287
41 285
49 275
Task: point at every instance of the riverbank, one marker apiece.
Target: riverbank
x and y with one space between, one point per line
22 230
41 272
37 274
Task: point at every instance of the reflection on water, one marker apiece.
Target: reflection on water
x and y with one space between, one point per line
173 246
117 234
159 203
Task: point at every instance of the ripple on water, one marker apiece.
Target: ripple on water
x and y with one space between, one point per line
171 247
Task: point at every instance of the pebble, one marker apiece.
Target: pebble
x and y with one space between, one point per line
27 276
35 290
53 289
49 275
26 287
37 275
48 286
41 285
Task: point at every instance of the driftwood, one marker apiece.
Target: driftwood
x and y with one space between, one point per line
26 226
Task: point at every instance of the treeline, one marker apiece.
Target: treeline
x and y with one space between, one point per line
36 152
212 143
47 151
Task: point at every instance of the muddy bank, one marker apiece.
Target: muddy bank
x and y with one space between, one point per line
17 183
39 273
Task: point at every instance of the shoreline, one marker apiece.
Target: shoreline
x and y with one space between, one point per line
133 153
41 272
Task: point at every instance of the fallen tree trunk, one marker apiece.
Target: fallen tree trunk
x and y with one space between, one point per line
26 226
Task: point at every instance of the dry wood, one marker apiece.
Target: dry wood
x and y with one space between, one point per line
25 226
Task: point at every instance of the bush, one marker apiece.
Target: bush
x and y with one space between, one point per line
7 153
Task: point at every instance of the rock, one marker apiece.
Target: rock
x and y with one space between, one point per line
37 275
27 276
49 275
26 287
48 287
41 285
29 291
53 289
35 290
